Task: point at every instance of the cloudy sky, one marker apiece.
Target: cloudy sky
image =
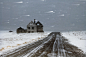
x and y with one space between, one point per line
55 15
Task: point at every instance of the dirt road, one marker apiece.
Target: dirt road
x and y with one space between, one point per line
54 45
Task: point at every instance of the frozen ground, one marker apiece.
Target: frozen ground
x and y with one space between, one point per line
11 40
77 38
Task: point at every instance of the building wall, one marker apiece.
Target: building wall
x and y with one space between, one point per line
31 28
39 29
21 31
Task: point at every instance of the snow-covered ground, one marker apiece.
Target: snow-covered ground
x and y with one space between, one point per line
12 40
77 38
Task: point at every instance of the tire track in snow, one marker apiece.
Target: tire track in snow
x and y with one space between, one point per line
54 45
37 48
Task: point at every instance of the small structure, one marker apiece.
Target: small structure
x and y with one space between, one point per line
10 31
21 30
32 27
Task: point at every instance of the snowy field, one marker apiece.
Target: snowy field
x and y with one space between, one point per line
77 38
12 40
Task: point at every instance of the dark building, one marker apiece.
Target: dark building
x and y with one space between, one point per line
21 30
32 27
39 27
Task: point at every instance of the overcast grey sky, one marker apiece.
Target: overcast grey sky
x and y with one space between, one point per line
55 15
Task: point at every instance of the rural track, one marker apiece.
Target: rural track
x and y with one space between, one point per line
54 45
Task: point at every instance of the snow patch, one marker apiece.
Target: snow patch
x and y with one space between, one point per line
27 2
8 22
19 2
77 38
42 0
52 26
62 15
26 15
76 4
50 12
16 18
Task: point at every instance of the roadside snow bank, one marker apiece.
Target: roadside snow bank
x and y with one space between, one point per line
77 38
10 40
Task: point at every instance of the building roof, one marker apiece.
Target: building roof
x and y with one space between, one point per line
20 28
39 23
31 24
35 23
